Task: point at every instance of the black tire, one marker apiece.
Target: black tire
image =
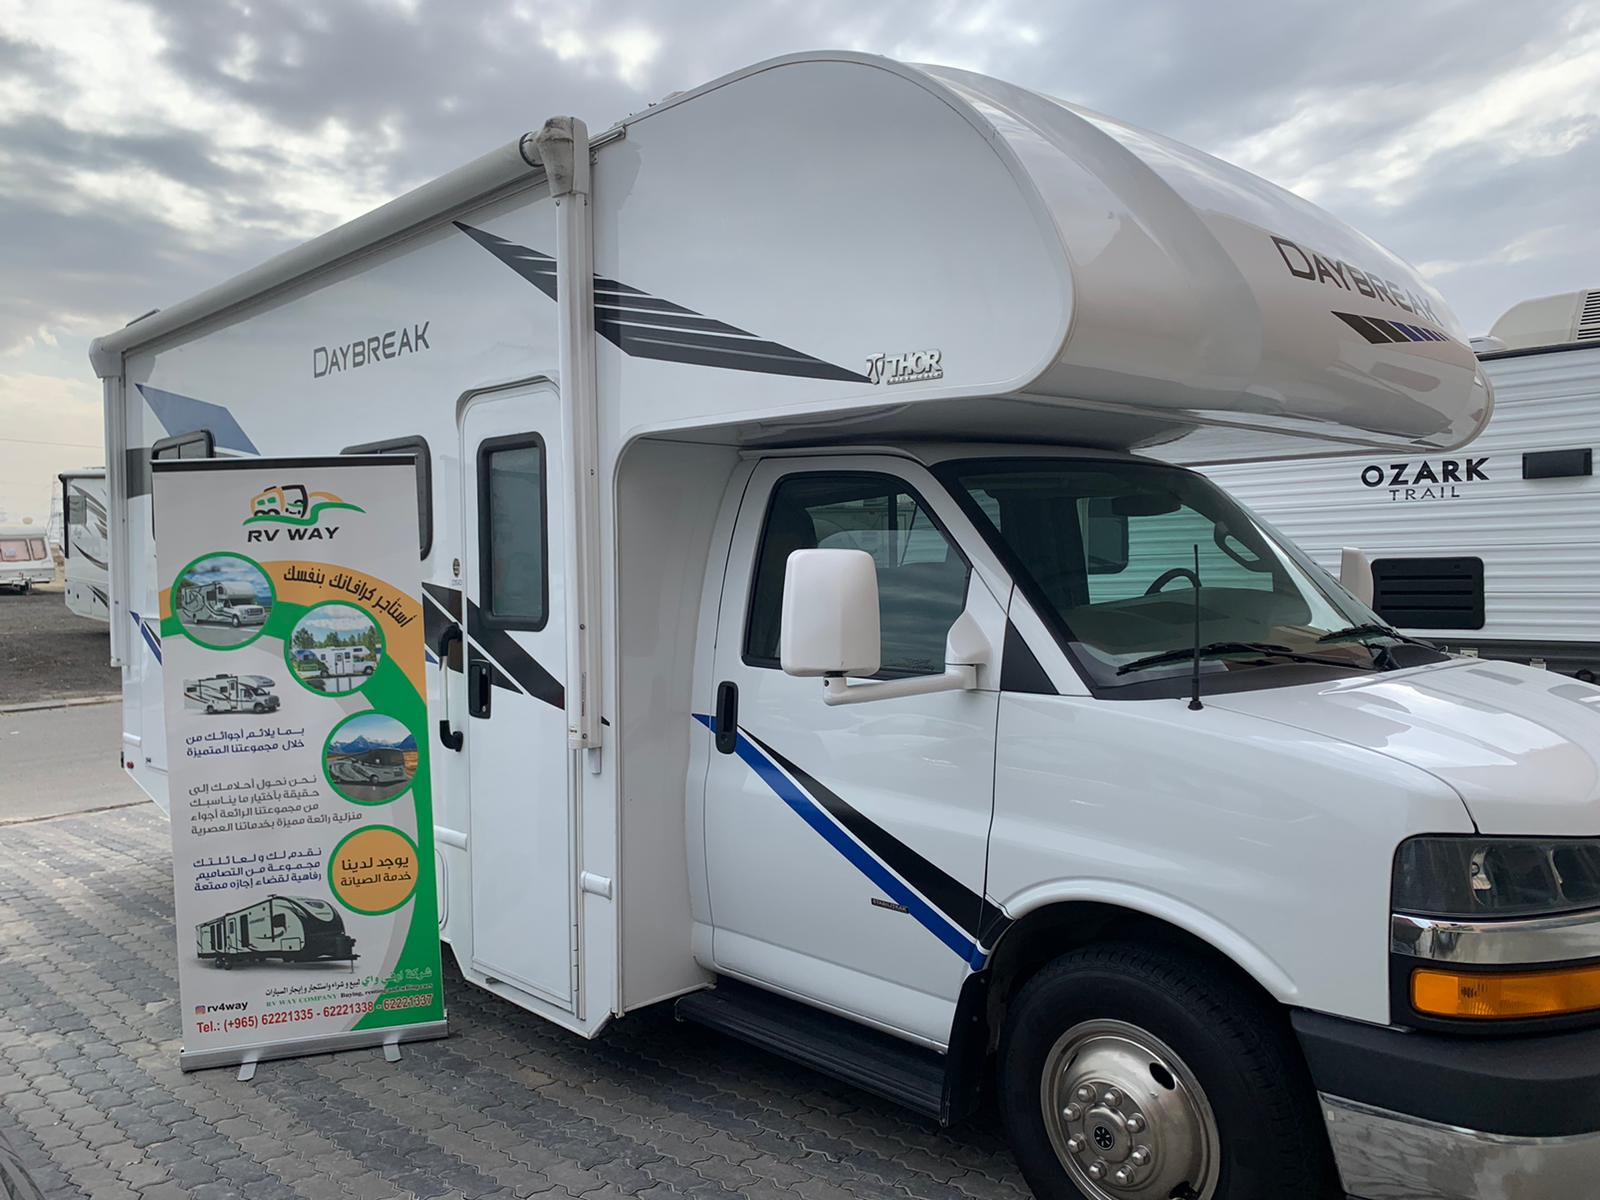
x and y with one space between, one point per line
1270 1141
234 620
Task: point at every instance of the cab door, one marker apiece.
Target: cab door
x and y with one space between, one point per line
520 810
845 846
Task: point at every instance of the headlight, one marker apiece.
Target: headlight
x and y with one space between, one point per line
1485 878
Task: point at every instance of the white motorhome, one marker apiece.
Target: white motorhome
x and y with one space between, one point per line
1492 551
788 458
84 543
220 602
24 557
232 693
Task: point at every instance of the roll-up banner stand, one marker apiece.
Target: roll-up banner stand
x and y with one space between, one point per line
296 714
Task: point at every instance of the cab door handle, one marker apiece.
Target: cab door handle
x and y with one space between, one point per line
727 717
480 686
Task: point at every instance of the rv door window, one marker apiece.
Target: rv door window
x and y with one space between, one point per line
922 578
512 543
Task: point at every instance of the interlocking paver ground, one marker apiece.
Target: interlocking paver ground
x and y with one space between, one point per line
507 1107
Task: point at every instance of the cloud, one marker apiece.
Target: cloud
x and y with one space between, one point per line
151 148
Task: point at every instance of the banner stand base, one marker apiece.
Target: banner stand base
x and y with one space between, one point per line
247 1058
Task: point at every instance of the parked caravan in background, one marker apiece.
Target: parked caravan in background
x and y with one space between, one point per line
378 765
833 638
84 543
288 928
1493 550
232 693
223 602
24 558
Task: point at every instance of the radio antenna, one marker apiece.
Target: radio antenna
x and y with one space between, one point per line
1194 698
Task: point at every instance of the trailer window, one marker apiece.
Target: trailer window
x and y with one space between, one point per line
512 547
417 447
196 444
13 550
922 578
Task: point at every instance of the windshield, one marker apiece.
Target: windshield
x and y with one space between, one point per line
1107 548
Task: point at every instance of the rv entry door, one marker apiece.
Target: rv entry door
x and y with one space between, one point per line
520 836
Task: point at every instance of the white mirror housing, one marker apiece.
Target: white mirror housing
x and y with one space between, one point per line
1355 574
830 614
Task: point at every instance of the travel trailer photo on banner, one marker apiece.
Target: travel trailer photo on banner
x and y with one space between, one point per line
301 816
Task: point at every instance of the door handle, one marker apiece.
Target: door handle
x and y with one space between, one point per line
727 717
450 739
480 686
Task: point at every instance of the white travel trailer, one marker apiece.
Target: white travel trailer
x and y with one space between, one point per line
84 543
787 457
1493 551
344 660
24 557
287 928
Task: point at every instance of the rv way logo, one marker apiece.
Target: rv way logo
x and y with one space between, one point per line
292 504
1425 480
913 367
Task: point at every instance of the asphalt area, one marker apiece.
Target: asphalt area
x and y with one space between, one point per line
507 1106
49 653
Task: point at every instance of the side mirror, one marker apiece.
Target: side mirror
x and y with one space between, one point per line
830 614
1355 574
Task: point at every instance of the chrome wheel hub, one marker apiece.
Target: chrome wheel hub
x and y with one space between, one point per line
1126 1116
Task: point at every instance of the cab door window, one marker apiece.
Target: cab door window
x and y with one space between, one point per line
922 577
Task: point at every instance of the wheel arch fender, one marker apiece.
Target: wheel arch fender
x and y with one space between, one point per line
1049 909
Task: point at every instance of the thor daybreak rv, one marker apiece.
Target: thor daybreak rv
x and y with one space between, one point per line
1493 551
84 542
790 458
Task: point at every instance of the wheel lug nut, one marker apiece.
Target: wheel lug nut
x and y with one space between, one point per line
1072 1112
1096 1170
1113 1097
1123 1176
1075 1144
1139 1156
1085 1093
1134 1124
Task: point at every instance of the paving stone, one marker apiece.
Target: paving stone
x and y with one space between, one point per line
507 1108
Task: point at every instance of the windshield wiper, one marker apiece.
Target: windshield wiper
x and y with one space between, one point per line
1213 649
1370 629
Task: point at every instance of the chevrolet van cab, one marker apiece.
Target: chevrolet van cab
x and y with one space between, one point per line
834 639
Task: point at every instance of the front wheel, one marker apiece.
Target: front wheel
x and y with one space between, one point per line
1130 1072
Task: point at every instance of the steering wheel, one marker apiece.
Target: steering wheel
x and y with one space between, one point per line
1167 577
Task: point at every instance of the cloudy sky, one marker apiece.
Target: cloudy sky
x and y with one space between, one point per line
149 148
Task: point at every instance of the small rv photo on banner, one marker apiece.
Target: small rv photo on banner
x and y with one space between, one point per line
370 758
288 929
335 648
222 601
231 694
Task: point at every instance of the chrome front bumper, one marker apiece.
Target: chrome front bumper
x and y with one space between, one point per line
1385 1155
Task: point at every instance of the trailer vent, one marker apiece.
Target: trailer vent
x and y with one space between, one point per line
1429 593
1589 317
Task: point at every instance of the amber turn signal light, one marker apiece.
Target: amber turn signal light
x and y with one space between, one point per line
1508 996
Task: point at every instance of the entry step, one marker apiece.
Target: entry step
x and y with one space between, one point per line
888 1066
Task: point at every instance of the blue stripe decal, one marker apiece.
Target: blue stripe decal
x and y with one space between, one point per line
184 414
808 811
150 639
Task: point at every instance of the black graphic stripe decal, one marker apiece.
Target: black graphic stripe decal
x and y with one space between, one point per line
973 913
1377 330
646 326
512 667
